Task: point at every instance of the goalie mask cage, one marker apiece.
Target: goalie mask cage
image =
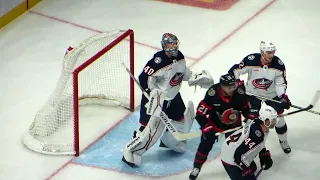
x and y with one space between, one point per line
91 74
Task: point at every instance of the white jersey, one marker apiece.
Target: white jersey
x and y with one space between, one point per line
165 74
268 81
242 146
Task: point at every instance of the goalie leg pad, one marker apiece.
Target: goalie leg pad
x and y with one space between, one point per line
182 126
170 142
148 137
155 104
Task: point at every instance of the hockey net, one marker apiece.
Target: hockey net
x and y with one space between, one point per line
91 74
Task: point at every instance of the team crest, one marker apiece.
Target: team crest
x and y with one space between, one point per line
157 60
280 62
230 116
211 92
258 133
251 57
262 83
176 79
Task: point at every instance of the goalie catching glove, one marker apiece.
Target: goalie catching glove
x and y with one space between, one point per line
202 79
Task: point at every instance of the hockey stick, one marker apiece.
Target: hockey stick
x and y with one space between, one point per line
190 135
259 172
308 108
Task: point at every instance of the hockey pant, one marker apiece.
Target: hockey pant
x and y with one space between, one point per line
281 126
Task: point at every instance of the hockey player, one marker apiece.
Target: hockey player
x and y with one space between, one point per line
241 148
218 111
267 78
161 78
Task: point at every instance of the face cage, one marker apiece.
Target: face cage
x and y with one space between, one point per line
172 51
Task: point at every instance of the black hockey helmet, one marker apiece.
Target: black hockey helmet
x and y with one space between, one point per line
227 80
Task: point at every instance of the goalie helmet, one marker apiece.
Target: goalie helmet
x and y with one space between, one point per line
170 44
227 79
267 112
267 46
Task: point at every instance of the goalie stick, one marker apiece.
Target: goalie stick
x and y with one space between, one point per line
300 109
167 121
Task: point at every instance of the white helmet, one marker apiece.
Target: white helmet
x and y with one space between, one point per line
267 112
267 46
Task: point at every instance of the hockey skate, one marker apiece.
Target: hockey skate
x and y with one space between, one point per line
285 146
129 163
131 158
162 145
194 173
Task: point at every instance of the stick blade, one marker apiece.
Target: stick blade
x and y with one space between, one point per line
315 98
185 136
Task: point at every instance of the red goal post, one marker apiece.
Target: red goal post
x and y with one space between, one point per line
91 74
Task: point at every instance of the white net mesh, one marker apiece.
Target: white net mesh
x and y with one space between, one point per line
102 82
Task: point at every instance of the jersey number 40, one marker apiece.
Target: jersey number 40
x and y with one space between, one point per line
148 70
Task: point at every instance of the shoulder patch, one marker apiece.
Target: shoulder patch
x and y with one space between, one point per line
251 57
211 92
157 60
280 62
240 91
258 133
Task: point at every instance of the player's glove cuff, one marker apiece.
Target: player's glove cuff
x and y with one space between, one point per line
284 99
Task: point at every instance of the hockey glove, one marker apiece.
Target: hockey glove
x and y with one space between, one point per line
208 133
265 159
202 79
285 101
248 171
240 84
